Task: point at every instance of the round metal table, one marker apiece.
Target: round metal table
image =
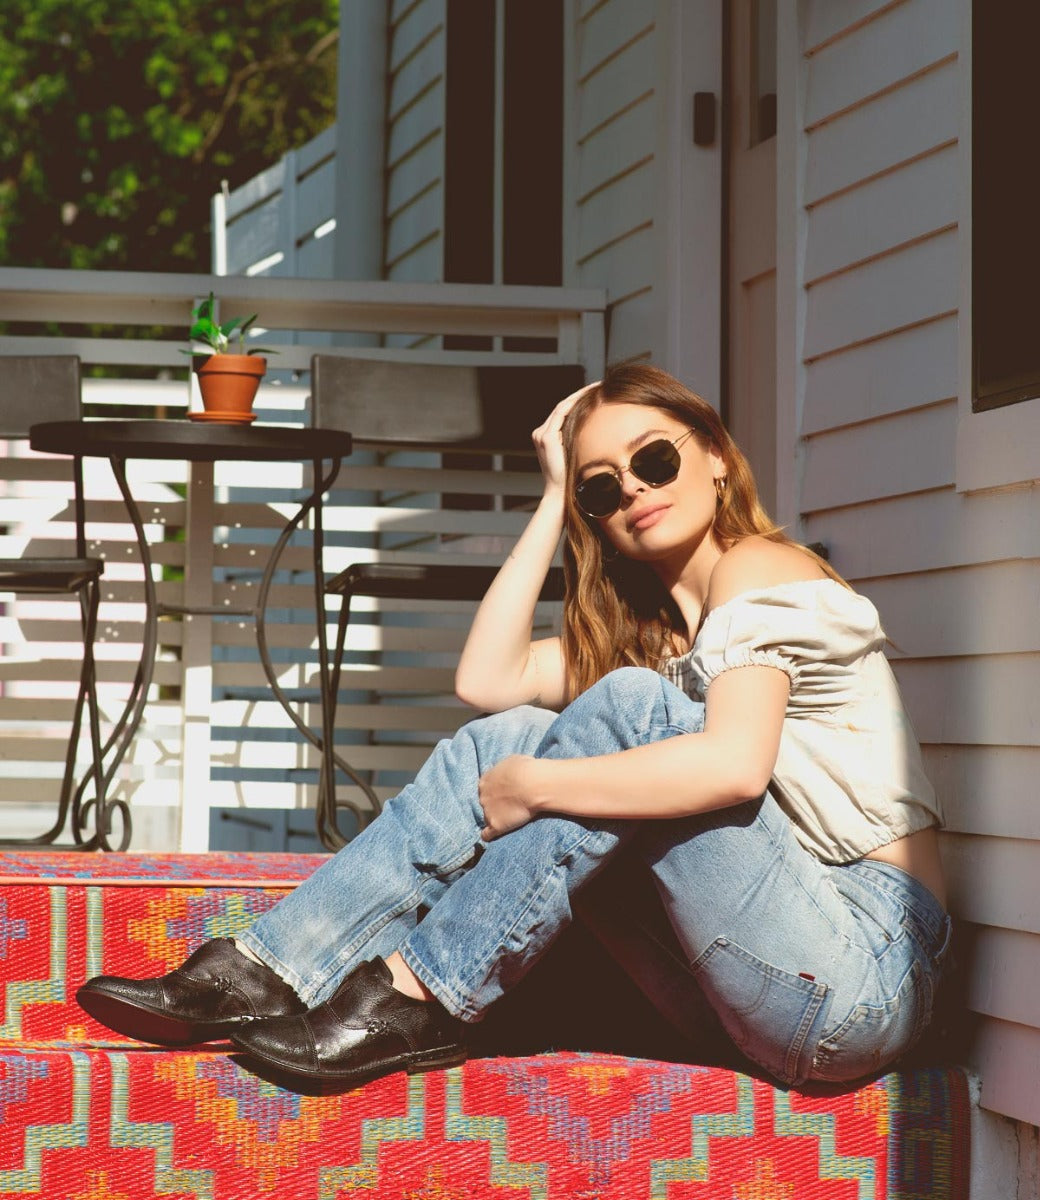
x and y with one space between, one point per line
206 442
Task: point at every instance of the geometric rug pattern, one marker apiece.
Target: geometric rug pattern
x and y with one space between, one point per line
86 1115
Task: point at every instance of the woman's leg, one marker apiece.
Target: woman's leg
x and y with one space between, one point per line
814 971
420 854
495 917
497 920
366 899
360 904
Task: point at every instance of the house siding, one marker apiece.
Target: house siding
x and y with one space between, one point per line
954 574
612 197
414 232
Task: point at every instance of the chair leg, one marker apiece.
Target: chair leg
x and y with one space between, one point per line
328 827
69 798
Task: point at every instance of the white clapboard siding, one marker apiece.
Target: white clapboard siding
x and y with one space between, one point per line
917 283
1002 984
884 213
905 370
990 700
832 20
950 530
906 452
954 574
414 230
1006 1056
615 51
986 793
878 137
903 42
993 881
939 610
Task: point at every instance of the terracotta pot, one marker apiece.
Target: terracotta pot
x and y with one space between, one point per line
229 382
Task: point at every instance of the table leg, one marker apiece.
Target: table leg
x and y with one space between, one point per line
125 729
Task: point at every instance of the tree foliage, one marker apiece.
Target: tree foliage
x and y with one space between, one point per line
120 118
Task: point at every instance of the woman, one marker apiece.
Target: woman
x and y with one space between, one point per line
726 717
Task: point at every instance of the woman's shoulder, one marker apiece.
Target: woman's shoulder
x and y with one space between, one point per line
756 563
768 598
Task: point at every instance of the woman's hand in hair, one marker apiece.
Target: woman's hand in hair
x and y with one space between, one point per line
548 440
506 795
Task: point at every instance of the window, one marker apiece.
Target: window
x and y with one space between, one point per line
1005 255
504 142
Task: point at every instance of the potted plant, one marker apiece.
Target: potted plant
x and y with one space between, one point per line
229 374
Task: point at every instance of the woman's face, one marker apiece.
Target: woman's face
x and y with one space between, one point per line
653 523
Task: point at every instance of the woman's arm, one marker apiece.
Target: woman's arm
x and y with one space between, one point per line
730 762
500 665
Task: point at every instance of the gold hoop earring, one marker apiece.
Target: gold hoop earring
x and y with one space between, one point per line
720 487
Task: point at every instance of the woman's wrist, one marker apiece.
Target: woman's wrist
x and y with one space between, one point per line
553 498
542 773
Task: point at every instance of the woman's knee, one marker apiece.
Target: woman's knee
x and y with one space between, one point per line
512 731
644 697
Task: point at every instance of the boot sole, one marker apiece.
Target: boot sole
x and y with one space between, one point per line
320 1082
147 1025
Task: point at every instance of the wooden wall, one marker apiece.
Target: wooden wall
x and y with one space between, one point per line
414 248
611 170
955 574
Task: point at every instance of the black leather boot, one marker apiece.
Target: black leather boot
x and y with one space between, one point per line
365 1030
213 992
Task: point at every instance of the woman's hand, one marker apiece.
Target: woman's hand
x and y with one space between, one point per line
506 794
548 440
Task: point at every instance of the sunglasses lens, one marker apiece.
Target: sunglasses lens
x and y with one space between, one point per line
599 495
656 463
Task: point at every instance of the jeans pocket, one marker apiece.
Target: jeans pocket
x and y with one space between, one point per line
874 1035
770 1014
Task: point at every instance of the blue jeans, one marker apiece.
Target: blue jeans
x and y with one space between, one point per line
814 971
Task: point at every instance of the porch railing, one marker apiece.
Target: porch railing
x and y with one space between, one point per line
213 738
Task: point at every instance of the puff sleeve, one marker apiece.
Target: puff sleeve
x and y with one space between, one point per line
814 631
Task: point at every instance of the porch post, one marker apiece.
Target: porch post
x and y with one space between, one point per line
360 150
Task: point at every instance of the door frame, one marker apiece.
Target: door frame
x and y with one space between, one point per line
690 247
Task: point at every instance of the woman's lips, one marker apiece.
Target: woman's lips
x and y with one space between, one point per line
646 517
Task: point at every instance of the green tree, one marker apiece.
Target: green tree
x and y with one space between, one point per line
120 118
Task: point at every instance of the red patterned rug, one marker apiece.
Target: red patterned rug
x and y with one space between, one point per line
86 1115
97 1125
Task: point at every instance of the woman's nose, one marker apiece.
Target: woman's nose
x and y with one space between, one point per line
631 484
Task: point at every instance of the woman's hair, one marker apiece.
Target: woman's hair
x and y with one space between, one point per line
616 610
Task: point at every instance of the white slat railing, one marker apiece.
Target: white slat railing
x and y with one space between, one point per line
235 748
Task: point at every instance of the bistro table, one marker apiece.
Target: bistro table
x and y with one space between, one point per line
205 444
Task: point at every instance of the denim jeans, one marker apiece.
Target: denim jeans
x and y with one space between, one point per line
814 971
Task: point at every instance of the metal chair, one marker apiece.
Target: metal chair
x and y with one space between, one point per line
448 408
47 388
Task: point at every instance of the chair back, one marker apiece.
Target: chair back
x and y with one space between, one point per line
433 500
38 387
442 406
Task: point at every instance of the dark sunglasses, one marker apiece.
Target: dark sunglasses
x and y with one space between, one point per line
656 464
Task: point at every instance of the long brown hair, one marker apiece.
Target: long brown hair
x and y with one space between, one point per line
616 611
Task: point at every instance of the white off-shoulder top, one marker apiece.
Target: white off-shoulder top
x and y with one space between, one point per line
849 771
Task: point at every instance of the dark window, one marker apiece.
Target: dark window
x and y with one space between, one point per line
531 150
1005 251
531 157
469 145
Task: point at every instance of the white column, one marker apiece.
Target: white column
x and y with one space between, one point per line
197 663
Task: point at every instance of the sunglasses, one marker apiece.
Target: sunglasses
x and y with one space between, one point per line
656 464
